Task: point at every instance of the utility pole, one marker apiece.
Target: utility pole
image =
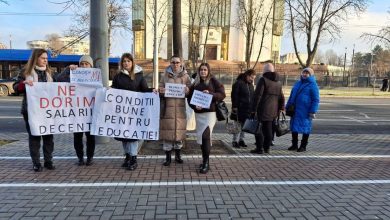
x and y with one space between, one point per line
155 49
98 46
345 58
369 76
353 69
176 28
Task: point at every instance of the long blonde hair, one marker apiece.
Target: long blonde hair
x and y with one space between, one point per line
130 57
32 62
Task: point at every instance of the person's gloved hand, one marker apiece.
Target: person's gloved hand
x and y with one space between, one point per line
312 115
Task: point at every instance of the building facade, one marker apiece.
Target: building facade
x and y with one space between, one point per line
63 45
210 29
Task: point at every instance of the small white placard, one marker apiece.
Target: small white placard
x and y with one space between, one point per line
86 76
201 99
174 90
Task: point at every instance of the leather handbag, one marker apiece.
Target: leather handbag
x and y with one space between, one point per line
222 111
252 126
281 125
233 127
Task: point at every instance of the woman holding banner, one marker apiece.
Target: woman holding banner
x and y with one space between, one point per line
130 77
206 117
37 70
84 62
173 112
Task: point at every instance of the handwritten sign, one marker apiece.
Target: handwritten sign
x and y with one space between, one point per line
86 76
174 90
126 114
201 99
55 108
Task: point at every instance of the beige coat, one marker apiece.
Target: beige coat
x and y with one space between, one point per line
173 121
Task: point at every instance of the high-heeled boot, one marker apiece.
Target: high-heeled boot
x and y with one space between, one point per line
168 158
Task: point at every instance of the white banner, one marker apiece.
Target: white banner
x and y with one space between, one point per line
126 114
86 76
175 90
55 108
201 99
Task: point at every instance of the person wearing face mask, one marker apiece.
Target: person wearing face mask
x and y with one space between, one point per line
206 118
37 70
84 62
130 77
242 95
173 115
305 97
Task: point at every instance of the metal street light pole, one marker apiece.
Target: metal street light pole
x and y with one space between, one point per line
99 43
155 49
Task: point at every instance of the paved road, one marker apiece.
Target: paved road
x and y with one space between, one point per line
344 175
336 116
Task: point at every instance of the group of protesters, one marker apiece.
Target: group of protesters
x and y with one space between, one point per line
264 103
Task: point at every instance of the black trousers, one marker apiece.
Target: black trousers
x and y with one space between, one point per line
79 147
264 139
34 144
206 144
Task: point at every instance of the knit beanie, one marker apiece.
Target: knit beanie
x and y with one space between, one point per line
309 70
268 67
86 58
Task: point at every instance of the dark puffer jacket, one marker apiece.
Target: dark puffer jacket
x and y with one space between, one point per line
268 99
242 96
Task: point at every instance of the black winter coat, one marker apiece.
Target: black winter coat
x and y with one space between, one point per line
268 99
123 81
242 96
215 88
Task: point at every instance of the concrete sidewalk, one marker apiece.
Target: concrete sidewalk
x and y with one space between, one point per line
339 177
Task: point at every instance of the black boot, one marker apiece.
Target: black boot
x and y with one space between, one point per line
49 165
178 156
205 166
304 142
294 142
259 145
37 167
168 158
89 161
133 163
126 161
81 162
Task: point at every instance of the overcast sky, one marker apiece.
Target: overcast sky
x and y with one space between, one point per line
15 21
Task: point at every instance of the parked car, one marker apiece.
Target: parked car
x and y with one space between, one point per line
7 86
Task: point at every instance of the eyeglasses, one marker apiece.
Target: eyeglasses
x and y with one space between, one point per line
175 62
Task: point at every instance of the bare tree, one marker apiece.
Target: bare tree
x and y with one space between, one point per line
331 57
202 17
253 19
382 36
162 17
118 13
312 20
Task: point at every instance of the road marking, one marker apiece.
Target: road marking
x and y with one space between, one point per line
4 106
198 183
10 117
220 156
335 110
353 119
364 114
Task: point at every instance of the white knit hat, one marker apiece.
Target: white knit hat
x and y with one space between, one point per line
308 70
86 58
